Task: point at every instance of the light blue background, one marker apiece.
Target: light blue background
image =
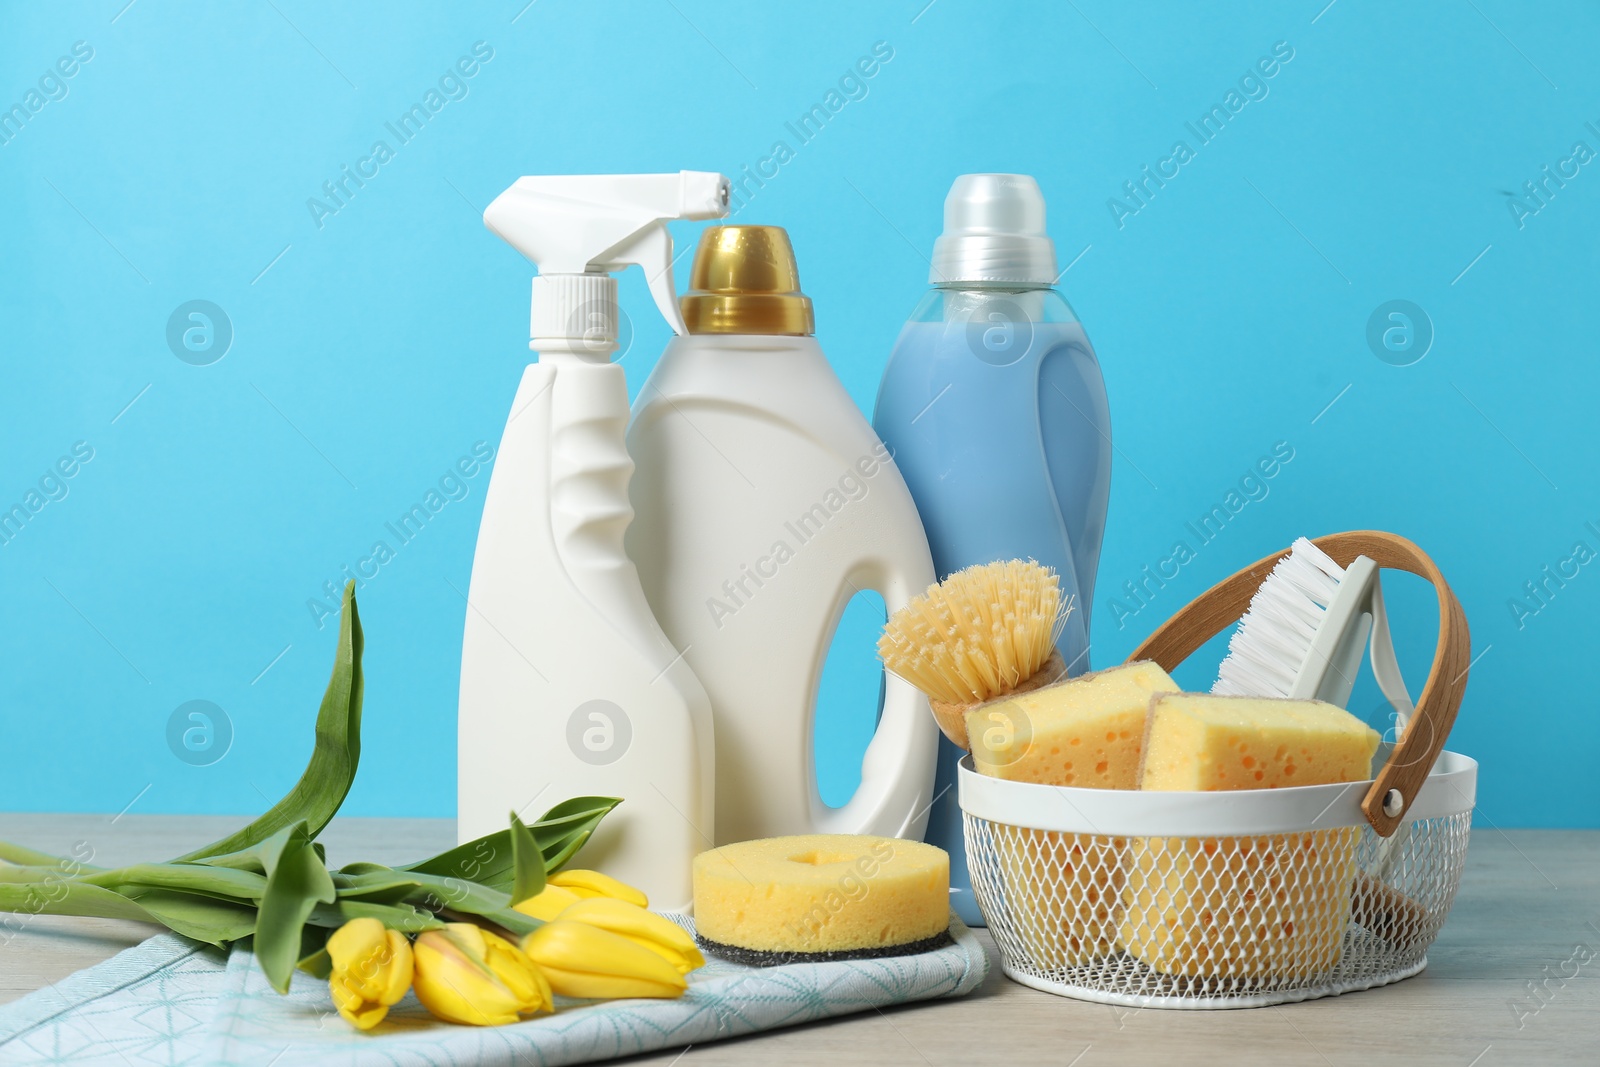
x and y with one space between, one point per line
371 352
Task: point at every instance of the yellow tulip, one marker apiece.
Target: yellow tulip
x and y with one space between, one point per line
371 970
662 936
585 961
594 884
548 904
466 974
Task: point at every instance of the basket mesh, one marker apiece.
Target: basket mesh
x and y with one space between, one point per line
1217 921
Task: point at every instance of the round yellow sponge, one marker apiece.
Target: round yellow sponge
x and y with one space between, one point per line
831 895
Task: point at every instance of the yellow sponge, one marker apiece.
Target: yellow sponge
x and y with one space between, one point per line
829 895
1201 742
1274 905
1064 891
1083 732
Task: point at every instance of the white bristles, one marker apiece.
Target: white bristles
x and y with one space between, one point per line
979 633
1269 649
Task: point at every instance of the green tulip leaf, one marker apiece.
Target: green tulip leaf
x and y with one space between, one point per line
576 811
229 887
569 825
332 768
458 894
378 887
296 882
248 861
314 959
60 897
563 849
374 884
362 867
486 860
527 863
403 917
318 964
397 893
203 918
489 861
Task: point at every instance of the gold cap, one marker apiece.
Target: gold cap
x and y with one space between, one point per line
744 280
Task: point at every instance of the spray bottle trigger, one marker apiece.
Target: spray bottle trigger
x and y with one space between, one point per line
651 249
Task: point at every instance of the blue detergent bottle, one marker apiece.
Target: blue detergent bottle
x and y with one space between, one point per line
995 410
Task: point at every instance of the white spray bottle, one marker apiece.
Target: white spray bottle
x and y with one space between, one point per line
568 685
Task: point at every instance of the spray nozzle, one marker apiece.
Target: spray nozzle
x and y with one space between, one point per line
579 228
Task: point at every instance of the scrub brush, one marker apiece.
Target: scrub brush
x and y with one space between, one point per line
985 632
1305 633
1303 638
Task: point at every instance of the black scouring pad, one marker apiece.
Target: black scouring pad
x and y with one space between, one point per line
754 957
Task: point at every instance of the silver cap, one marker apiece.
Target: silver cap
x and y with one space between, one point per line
994 232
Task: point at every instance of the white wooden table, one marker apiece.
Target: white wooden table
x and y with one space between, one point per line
1498 989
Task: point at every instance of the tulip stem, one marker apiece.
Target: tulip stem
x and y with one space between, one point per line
27 857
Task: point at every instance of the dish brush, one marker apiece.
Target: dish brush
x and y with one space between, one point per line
984 632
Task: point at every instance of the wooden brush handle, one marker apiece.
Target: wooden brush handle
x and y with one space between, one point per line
1414 754
952 718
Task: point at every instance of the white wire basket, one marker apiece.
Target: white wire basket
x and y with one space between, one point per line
1234 899
1212 900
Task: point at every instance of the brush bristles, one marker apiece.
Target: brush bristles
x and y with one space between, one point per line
979 633
1269 649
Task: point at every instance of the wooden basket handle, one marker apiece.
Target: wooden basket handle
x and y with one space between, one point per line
1413 756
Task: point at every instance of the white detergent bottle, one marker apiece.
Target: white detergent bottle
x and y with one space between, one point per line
568 686
763 503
